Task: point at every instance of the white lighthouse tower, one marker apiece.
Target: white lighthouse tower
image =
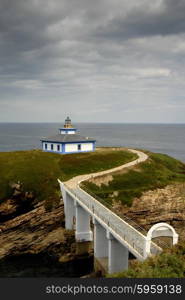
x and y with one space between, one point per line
68 127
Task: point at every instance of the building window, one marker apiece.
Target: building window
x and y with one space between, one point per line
46 146
51 146
58 147
79 147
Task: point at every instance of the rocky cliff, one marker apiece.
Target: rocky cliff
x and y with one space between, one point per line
36 244
160 205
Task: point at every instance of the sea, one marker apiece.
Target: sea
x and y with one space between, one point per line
161 138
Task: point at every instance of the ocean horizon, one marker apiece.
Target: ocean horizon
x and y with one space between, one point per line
168 138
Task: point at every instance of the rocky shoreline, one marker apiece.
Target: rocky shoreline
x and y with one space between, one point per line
36 244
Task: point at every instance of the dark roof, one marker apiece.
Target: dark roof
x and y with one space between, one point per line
64 128
63 138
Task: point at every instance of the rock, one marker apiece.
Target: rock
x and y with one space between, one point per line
66 258
17 189
160 205
33 232
8 210
8 207
17 194
29 196
16 186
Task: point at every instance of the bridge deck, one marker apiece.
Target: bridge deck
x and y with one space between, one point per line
127 234
133 239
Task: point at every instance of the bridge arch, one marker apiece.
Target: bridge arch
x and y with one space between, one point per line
160 229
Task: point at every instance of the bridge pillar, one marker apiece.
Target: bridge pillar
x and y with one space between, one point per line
100 241
69 210
117 255
83 231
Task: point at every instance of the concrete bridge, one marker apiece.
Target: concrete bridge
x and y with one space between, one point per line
113 237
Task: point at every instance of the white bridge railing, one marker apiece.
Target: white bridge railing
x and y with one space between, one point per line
134 240
126 231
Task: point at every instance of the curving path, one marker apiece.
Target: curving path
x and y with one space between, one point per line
75 181
124 232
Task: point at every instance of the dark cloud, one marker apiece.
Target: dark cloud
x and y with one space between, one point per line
146 20
110 57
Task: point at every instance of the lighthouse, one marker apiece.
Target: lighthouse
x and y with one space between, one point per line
68 127
68 141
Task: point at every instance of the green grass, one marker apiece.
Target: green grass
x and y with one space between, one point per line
169 264
38 171
157 172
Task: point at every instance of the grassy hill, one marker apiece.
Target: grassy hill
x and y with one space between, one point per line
38 171
157 172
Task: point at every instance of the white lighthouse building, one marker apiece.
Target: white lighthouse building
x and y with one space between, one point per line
68 141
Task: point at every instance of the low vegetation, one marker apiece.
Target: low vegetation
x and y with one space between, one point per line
157 172
169 264
38 171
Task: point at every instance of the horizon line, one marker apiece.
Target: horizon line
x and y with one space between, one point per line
51 122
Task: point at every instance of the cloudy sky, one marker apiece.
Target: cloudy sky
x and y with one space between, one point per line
96 60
